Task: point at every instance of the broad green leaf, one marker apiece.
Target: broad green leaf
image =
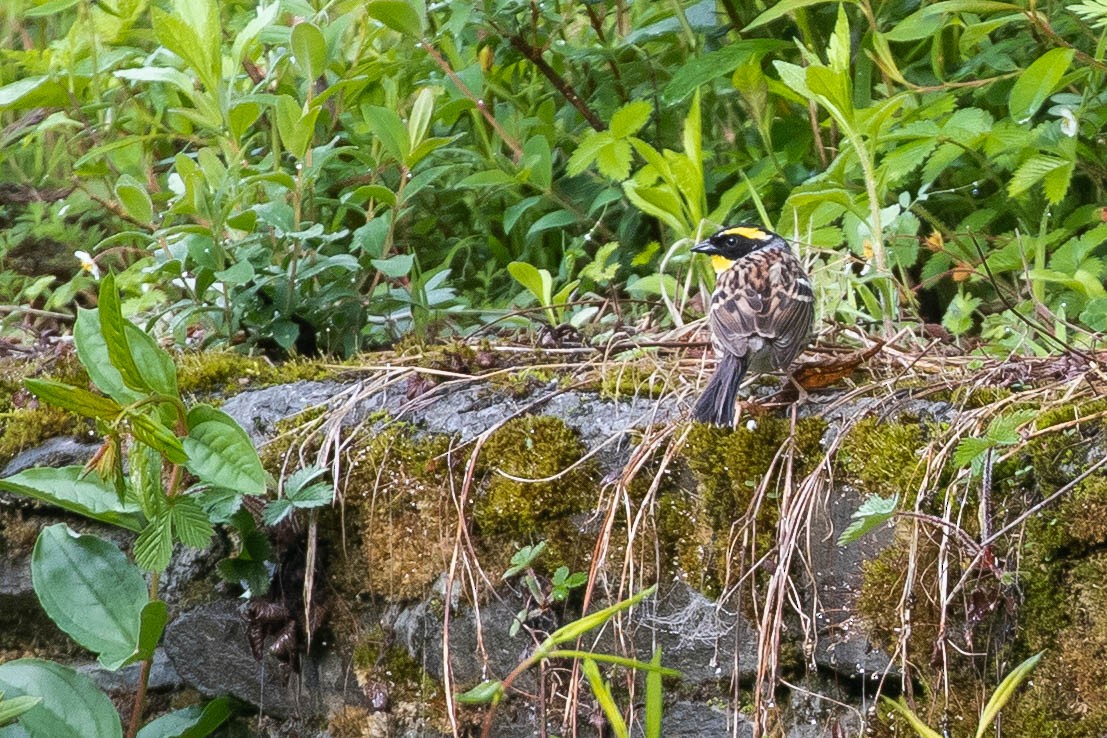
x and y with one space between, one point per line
74 399
1034 86
1032 171
779 10
396 266
72 705
613 160
220 453
151 625
309 49
295 125
659 202
70 489
91 591
630 118
389 130
554 219
404 16
32 92
873 512
191 722
134 198
178 36
537 281
838 51
538 162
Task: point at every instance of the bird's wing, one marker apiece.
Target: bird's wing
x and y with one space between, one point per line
763 304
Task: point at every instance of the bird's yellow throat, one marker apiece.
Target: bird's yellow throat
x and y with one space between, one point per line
720 263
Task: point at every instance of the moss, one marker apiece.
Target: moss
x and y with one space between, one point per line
215 372
1065 696
399 510
24 421
512 510
883 457
632 379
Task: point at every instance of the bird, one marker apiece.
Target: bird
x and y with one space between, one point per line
760 314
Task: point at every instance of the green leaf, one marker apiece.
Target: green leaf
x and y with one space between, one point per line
74 399
958 319
191 722
89 589
399 15
154 546
114 329
970 450
419 121
487 178
1033 170
190 523
537 281
70 489
602 692
156 435
613 160
587 150
295 125
309 49
486 693
701 70
183 40
553 219
267 15
654 696
386 125
151 625
49 8
1004 692
779 10
72 705
32 92
12 708
1095 314
134 198
916 723
1037 83
395 266
873 512
220 453
630 118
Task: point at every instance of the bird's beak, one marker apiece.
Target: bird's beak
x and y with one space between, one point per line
705 247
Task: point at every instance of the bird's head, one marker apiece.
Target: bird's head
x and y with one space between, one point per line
730 244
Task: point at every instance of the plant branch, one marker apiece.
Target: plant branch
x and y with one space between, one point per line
534 55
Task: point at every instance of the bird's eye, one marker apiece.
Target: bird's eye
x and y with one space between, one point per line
731 241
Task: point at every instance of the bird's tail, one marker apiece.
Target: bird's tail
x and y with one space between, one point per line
716 404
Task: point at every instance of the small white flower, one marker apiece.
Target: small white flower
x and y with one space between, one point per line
87 264
1069 124
751 425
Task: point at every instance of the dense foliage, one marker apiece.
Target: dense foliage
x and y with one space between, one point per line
312 175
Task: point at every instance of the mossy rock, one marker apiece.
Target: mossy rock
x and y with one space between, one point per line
1065 695
513 510
884 457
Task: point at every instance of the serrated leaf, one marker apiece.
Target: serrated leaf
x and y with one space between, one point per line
191 525
700 70
220 453
1032 171
587 150
1004 429
613 160
873 512
629 119
969 450
89 589
154 546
